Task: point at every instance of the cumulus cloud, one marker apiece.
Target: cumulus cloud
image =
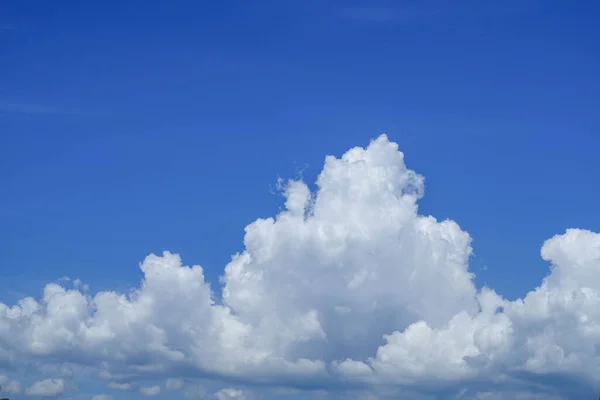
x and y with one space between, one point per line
119 386
46 388
150 391
8 385
230 394
347 286
102 397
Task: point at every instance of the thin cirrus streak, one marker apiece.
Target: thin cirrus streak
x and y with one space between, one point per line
38 109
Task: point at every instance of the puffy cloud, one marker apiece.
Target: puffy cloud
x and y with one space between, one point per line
46 388
150 391
552 332
102 397
119 386
347 286
8 385
230 394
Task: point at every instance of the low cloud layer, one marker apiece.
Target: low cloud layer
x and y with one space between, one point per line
347 288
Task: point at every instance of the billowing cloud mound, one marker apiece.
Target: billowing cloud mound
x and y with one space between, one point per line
347 287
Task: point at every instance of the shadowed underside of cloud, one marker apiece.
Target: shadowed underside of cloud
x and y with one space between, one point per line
347 287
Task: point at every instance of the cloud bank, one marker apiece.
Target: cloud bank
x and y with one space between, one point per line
348 288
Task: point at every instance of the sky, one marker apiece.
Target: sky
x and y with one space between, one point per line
375 199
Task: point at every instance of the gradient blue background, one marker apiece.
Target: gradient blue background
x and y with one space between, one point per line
134 127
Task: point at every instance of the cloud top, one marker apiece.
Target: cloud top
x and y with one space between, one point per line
348 286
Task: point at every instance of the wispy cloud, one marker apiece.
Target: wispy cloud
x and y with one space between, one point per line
7 26
375 14
383 14
38 109
431 10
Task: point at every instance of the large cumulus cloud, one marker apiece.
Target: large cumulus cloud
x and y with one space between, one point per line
348 285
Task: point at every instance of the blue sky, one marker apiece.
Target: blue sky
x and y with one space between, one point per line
129 128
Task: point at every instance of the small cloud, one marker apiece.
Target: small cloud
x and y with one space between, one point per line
150 391
9 386
231 394
119 386
46 388
102 397
174 384
78 284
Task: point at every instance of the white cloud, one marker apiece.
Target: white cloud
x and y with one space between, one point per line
230 394
150 391
119 386
507 396
8 385
102 397
174 383
46 388
348 285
